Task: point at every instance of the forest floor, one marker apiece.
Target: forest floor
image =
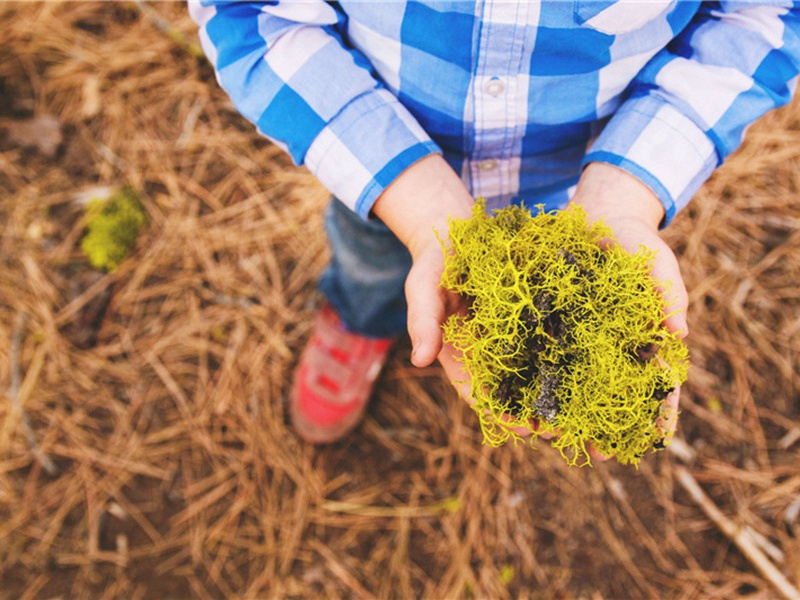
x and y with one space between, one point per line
144 445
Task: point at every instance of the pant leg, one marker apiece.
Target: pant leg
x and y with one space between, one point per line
366 277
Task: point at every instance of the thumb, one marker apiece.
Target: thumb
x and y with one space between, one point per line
667 273
426 310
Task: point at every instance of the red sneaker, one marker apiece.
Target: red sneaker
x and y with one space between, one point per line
334 379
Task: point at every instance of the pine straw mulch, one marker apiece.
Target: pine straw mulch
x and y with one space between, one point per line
156 461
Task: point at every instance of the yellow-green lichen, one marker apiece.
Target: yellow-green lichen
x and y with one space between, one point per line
562 336
112 226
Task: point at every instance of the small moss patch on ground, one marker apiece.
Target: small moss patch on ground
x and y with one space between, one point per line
113 225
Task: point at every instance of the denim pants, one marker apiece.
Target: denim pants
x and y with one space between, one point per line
365 281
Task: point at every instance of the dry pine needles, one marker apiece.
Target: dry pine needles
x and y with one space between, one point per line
160 463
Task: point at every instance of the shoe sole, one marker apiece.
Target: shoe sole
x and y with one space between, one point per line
315 434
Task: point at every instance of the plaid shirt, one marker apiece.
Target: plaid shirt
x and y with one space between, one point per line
516 95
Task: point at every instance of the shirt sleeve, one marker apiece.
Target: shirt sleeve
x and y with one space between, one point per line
690 106
286 68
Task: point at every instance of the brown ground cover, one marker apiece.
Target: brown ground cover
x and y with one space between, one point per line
155 460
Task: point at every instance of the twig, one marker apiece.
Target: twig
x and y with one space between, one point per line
789 439
768 547
738 535
189 124
445 506
16 342
110 156
225 300
169 29
792 512
679 448
686 454
13 393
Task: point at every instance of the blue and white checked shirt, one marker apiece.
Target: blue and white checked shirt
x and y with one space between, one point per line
517 95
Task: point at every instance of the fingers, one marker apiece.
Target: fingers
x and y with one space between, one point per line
426 309
520 430
668 421
665 271
454 369
523 431
676 298
593 452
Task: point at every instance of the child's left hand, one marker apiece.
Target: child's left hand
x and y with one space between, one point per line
633 213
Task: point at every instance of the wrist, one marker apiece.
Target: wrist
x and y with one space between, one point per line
609 192
417 205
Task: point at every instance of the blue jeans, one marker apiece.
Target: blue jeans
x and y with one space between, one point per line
365 280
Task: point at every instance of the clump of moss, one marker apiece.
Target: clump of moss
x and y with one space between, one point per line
112 227
562 336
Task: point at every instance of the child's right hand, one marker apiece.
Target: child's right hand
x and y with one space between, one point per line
416 207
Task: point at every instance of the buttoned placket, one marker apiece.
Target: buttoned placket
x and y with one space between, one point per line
496 135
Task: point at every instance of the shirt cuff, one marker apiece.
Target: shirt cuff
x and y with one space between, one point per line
659 145
365 147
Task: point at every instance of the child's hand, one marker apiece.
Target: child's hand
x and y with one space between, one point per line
633 212
418 204
416 207
449 358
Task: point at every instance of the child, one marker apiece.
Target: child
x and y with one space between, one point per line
407 110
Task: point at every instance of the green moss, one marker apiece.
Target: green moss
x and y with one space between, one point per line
112 227
561 336
507 574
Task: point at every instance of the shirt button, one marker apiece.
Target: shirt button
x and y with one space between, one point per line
494 87
489 164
